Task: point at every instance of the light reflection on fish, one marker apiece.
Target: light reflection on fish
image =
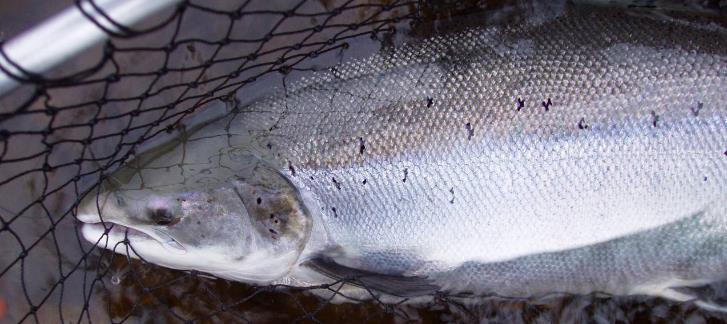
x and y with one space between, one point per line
583 154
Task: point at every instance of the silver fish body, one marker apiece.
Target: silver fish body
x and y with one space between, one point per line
576 155
509 154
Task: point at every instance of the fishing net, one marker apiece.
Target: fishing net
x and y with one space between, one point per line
63 132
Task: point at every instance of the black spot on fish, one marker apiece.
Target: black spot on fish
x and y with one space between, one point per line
259 200
451 190
272 216
406 173
470 131
273 231
705 178
270 146
520 104
311 177
430 102
364 181
335 214
697 109
291 168
547 104
336 183
361 145
582 124
654 119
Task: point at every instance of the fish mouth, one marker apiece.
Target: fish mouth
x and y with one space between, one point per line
100 232
111 234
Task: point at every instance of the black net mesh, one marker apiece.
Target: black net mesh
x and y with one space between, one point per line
61 133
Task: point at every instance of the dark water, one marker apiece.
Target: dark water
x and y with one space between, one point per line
63 278
173 296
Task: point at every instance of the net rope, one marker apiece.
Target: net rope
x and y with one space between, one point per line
78 128
63 132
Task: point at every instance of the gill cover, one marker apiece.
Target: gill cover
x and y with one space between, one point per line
277 213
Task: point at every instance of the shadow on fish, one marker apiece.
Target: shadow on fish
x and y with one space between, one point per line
575 155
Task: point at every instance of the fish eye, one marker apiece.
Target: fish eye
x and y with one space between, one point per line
161 216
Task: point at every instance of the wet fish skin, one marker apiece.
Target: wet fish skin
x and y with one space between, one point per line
518 160
506 143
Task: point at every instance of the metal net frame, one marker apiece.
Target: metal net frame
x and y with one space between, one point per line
70 117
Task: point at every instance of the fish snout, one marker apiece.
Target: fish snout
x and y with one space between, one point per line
96 206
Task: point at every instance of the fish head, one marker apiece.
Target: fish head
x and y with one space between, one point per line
250 228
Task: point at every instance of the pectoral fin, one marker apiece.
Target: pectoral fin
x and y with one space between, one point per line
710 296
397 285
705 294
